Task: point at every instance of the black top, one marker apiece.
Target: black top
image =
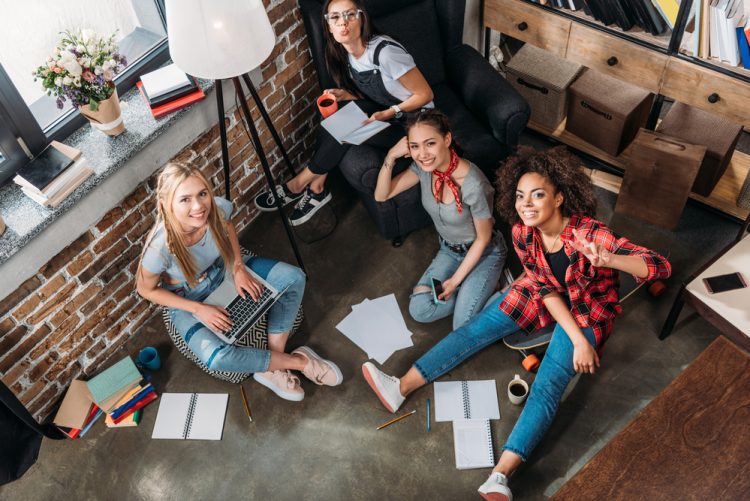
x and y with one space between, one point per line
559 263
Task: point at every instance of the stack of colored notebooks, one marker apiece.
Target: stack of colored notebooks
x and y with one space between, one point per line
168 89
117 393
53 174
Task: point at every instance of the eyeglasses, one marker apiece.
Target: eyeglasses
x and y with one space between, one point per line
333 18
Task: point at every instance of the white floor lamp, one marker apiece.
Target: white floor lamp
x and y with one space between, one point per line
226 39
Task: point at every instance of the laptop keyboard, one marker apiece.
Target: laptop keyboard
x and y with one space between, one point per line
245 312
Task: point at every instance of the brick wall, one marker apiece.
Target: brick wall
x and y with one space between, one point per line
81 306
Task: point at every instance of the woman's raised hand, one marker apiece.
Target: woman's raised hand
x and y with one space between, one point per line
244 282
214 317
398 150
597 254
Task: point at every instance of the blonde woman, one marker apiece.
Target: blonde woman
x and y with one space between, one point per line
184 259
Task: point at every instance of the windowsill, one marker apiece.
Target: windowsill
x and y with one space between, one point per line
120 163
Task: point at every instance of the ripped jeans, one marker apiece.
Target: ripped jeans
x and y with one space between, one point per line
473 292
215 353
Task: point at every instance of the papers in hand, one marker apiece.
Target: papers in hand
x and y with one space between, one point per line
347 125
377 327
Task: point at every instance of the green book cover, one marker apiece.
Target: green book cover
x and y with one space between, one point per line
121 375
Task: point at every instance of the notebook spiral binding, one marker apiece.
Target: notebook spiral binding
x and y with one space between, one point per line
465 398
189 417
489 441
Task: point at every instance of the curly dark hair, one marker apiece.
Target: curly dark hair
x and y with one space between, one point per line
559 166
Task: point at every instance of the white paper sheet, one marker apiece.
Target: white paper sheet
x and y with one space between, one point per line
346 125
377 327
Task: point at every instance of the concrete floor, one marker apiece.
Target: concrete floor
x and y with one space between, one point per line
326 447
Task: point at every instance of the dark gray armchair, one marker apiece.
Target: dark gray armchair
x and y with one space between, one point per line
486 113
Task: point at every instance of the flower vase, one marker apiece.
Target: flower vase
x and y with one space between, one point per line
108 118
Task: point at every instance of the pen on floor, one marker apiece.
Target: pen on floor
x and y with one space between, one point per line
428 415
396 419
244 401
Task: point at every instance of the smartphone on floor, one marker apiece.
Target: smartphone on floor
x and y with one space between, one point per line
723 283
437 289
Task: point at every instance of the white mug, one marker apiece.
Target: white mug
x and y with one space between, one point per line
518 390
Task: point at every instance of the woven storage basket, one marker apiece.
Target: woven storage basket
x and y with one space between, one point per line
606 112
543 80
717 134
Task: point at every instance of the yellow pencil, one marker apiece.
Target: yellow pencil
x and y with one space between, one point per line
244 401
396 419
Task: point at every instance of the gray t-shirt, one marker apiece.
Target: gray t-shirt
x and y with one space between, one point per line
157 258
476 196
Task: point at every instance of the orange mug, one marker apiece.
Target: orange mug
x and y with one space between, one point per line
327 104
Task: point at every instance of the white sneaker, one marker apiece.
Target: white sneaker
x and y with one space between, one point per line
282 383
385 387
496 488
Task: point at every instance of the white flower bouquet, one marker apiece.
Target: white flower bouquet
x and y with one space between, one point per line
81 68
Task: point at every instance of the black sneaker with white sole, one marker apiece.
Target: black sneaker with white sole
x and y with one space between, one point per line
308 205
266 202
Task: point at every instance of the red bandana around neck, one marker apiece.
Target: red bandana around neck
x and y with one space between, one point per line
445 178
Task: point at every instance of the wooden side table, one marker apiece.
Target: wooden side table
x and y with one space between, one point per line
727 311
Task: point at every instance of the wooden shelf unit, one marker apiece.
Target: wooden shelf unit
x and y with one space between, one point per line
642 60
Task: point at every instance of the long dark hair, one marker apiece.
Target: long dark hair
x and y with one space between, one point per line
563 170
337 59
438 121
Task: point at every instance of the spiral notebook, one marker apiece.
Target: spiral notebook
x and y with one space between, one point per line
191 416
472 439
456 400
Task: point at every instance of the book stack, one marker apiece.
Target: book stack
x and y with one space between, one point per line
168 89
53 175
720 31
77 413
653 16
117 393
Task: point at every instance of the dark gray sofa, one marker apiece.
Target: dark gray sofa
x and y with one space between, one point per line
486 113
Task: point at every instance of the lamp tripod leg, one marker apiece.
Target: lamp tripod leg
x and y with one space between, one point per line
269 123
223 133
266 168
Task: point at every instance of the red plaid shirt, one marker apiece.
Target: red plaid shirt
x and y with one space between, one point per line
593 291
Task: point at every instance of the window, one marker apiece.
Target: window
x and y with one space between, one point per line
28 32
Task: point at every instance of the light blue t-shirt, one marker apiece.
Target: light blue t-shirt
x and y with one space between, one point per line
476 200
157 258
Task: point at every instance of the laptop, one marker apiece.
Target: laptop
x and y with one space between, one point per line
244 312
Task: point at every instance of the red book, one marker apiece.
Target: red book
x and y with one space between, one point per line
74 432
141 403
171 106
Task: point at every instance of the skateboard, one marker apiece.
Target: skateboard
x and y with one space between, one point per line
524 343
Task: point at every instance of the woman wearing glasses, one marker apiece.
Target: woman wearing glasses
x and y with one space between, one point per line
377 73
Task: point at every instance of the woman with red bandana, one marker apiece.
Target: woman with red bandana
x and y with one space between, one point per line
458 197
571 263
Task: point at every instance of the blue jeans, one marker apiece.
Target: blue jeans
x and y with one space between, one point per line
215 353
471 295
556 371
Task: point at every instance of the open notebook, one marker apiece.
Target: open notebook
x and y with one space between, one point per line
472 439
466 400
195 416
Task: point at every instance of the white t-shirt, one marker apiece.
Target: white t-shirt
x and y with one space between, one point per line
394 61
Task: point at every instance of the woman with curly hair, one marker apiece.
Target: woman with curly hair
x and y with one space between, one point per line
571 263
